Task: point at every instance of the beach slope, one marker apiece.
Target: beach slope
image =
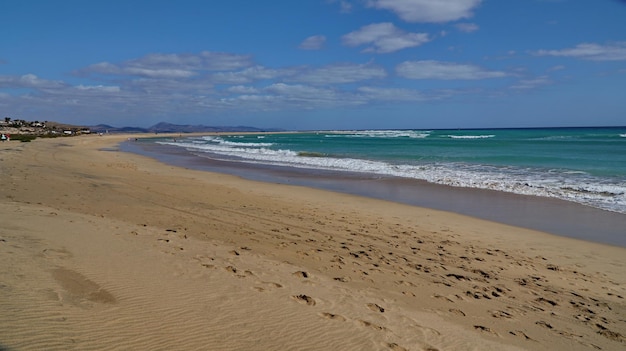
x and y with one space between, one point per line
105 250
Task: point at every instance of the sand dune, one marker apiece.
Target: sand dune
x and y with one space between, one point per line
103 250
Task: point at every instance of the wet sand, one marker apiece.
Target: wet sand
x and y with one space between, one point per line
111 250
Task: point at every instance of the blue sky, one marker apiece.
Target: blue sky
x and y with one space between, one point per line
315 64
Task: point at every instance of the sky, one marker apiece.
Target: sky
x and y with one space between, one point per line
315 64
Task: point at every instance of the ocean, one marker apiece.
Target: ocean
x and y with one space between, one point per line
582 165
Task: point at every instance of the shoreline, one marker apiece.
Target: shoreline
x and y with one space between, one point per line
105 249
559 217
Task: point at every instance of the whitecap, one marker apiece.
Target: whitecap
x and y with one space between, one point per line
471 136
417 134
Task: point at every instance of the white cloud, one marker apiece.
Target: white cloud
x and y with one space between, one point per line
591 51
384 38
241 89
526 84
249 75
346 7
156 87
204 61
99 88
168 66
392 94
340 74
294 96
435 11
158 73
314 42
254 101
135 70
294 90
429 69
29 81
467 27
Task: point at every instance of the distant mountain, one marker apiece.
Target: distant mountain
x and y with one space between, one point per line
164 127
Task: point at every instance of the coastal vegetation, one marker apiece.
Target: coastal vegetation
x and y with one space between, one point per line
23 130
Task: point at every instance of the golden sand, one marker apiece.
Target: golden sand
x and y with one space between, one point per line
104 250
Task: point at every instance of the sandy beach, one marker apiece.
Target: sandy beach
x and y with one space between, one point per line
106 250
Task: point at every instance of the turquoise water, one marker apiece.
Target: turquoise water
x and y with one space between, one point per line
583 165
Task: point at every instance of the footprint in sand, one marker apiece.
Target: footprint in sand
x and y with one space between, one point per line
231 269
301 274
238 273
546 301
275 285
304 299
395 347
521 334
268 286
457 311
501 314
544 324
441 297
404 282
376 308
333 316
615 336
371 325
485 329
